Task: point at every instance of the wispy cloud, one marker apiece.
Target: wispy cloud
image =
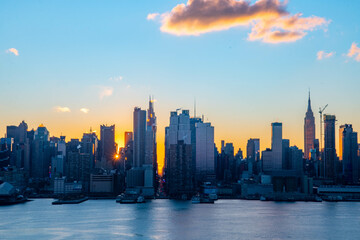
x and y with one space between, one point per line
354 52
116 79
152 16
62 109
322 55
105 91
13 51
269 20
84 110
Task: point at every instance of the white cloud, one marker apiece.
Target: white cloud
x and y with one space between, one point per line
105 91
62 109
13 50
116 79
84 110
322 54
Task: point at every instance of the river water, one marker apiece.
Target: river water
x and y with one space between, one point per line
168 219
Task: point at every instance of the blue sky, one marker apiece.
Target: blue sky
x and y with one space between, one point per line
69 51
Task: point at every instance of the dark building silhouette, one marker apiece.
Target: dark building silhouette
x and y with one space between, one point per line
89 145
28 150
5 151
295 156
128 151
285 154
73 159
40 153
348 148
253 149
107 147
180 174
11 132
128 138
19 146
225 163
329 148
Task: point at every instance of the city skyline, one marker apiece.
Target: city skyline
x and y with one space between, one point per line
265 143
183 119
107 67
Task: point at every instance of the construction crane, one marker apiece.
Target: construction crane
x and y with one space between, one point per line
321 115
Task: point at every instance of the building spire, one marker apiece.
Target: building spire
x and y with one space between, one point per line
309 102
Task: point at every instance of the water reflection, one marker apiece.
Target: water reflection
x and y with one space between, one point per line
165 219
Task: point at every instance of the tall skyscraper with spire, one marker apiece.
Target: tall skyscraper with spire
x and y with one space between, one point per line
309 130
151 145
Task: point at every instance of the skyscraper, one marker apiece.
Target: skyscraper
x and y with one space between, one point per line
205 162
40 153
178 155
128 152
11 132
128 138
296 159
142 173
73 160
151 144
89 145
180 175
309 130
193 121
5 151
253 149
58 160
150 150
286 154
329 148
276 144
348 147
20 145
107 146
272 159
139 137
22 132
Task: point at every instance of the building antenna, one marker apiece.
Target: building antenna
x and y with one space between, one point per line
194 107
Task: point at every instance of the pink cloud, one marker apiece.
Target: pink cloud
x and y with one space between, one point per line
152 16
322 55
105 91
13 50
354 52
268 19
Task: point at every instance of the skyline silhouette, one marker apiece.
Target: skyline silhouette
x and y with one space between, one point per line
264 142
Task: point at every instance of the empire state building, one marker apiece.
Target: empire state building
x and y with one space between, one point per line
309 130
